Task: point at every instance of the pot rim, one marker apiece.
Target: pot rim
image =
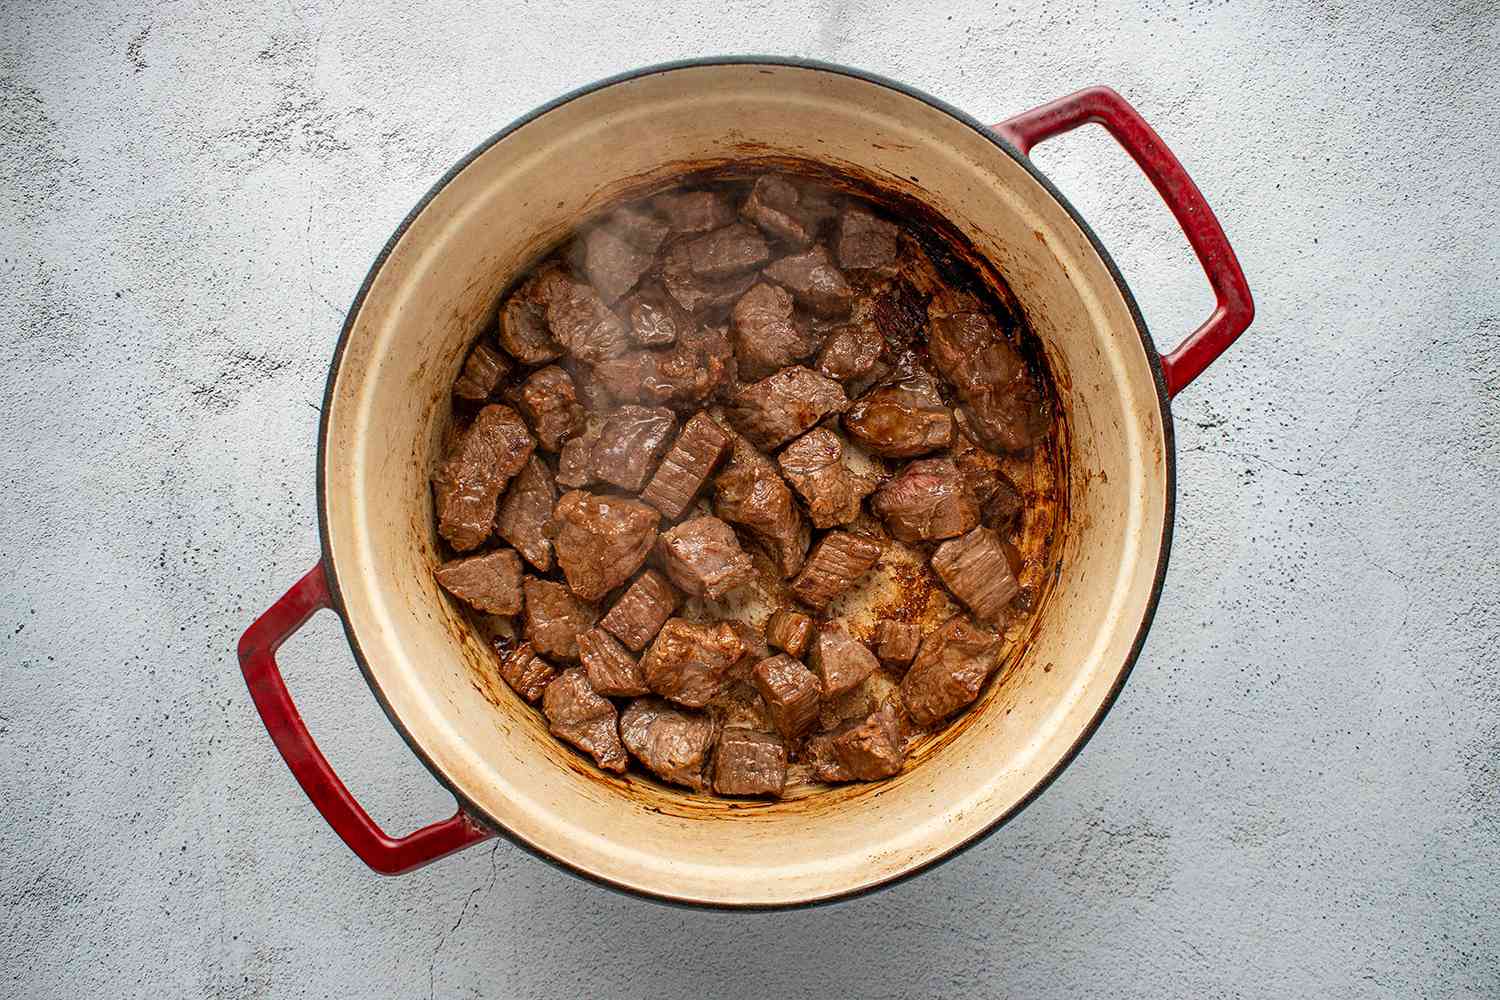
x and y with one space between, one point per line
1169 452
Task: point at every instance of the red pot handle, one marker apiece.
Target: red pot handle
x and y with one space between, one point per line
1103 106
387 855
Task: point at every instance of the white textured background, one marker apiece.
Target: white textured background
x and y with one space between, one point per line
1298 793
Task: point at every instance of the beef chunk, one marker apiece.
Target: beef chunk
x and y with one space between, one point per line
850 353
1000 502
548 400
610 667
490 582
467 485
749 763
867 750
791 693
766 337
703 558
896 642
696 293
841 661
772 205
575 463
642 610
684 375
674 744
813 280
1010 420
950 668
974 568
578 714
612 263
1002 405
600 541
751 493
864 240
631 442
814 465
656 319
522 329
816 208
899 312
523 513
526 673
694 212
689 661
482 374
789 631
725 252
904 417
554 618
581 321
928 500
776 409
682 475
836 564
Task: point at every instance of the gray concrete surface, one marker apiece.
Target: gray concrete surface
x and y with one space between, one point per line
1298 793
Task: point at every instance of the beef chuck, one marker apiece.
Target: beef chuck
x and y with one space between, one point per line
684 375
524 511
490 582
554 618
600 541
749 763
725 252
613 263
642 610
689 661
672 743
483 371
814 281
575 463
766 337
899 312
896 642
836 564
548 400
776 409
630 443
466 486
865 241
790 691
849 354
581 321
864 750
611 669
696 293
772 205
841 661
975 570
904 417
814 465
522 328
751 493
578 715
950 667
656 319
703 558
693 212
928 500
687 467
789 631
1000 502
1003 407
526 673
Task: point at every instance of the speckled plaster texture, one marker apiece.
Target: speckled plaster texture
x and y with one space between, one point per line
1298 793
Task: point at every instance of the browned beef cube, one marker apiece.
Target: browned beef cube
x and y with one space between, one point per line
837 562
490 582
723 253
575 462
631 442
600 541
850 353
999 500
896 642
524 512
864 240
695 292
899 312
548 400
791 693
928 500
610 667
766 337
814 465
483 371
467 485
689 661
656 319
772 205
789 631
522 329
751 493
581 321
554 618
841 661
694 211
814 281
526 673
1003 407
749 763
871 749
904 417
816 207
692 459
950 667
642 610
776 409
612 263
975 570
580 716
702 557
1011 418
683 375
672 743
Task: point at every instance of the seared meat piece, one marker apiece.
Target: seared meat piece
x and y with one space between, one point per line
642 610
522 328
703 558
656 319
694 211
483 371
523 513
904 417
749 763
575 463
896 642
850 353
865 750
526 673
549 402
490 582
1003 408
836 564
928 500
841 661
467 485
951 666
674 744
751 493
974 568
684 375
814 465
776 409
694 456
813 280
772 205
610 667
816 209
723 253
600 541
612 263
789 631
580 320
554 618
865 241
999 500
1001 508
791 693
1013 419
899 313
631 442
694 292
689 661
766 338
577 714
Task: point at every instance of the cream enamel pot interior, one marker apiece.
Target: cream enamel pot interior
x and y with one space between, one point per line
435 287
